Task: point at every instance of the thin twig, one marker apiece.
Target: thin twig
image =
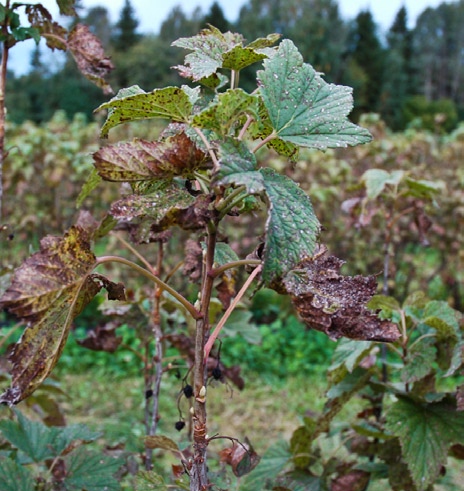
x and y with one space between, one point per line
229 311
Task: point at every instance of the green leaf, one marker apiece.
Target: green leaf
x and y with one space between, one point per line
48 291
93 180
419 361
237 165
274 460
132 104
240 324
224 254
231 109
149 481
31 437
303 108
14 477
292 228
383 302
349 354
376 180
90 471
426 432
22 33
420 188
239 57
141 160
266 42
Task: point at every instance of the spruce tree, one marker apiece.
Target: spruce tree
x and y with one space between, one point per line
126 28
216 18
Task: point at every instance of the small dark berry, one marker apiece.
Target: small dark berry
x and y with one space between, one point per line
148 394
217 373
188 391
179 425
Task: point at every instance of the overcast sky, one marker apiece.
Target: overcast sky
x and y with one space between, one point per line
151 14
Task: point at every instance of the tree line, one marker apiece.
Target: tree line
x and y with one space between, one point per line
410 76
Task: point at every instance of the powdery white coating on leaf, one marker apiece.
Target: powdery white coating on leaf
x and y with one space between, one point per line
303 108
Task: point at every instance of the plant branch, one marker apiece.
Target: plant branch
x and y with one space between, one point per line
161 284
229 311
3 72
134 251
245 127
264 142
234 264
208 147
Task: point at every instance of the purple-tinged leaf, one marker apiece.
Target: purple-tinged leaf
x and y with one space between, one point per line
90 57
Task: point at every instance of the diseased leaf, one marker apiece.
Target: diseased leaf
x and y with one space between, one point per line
141 160
303 108
241 457
164 207
239 57
292 228
349 354
336 304
40 18
15 477
159 441
383 302
207 49
231 109
149 481
90 471
237 165
102 338
266 42
376 180
66 7
90 57
426 432
132 104
48 291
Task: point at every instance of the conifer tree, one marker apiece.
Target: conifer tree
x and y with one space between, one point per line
126 28
216 17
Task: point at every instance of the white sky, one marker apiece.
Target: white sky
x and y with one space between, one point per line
151 14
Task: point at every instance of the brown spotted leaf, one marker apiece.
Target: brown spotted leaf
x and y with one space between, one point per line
335 304
141 160
90 57
53 33
48 291
241 457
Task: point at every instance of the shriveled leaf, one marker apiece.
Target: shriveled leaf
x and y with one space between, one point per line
237 165
231 109
239 57
90 57
292 228
141 160
40 19
159 441
90 471
303 108
419 361
426 432
376 181
241 457
132 104
15 477
48 291
102 338
336 304
207 49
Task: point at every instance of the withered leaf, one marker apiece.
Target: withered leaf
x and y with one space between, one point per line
141 160
335 304
241 457
193 260
102 338
40 18
90 57
48 291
